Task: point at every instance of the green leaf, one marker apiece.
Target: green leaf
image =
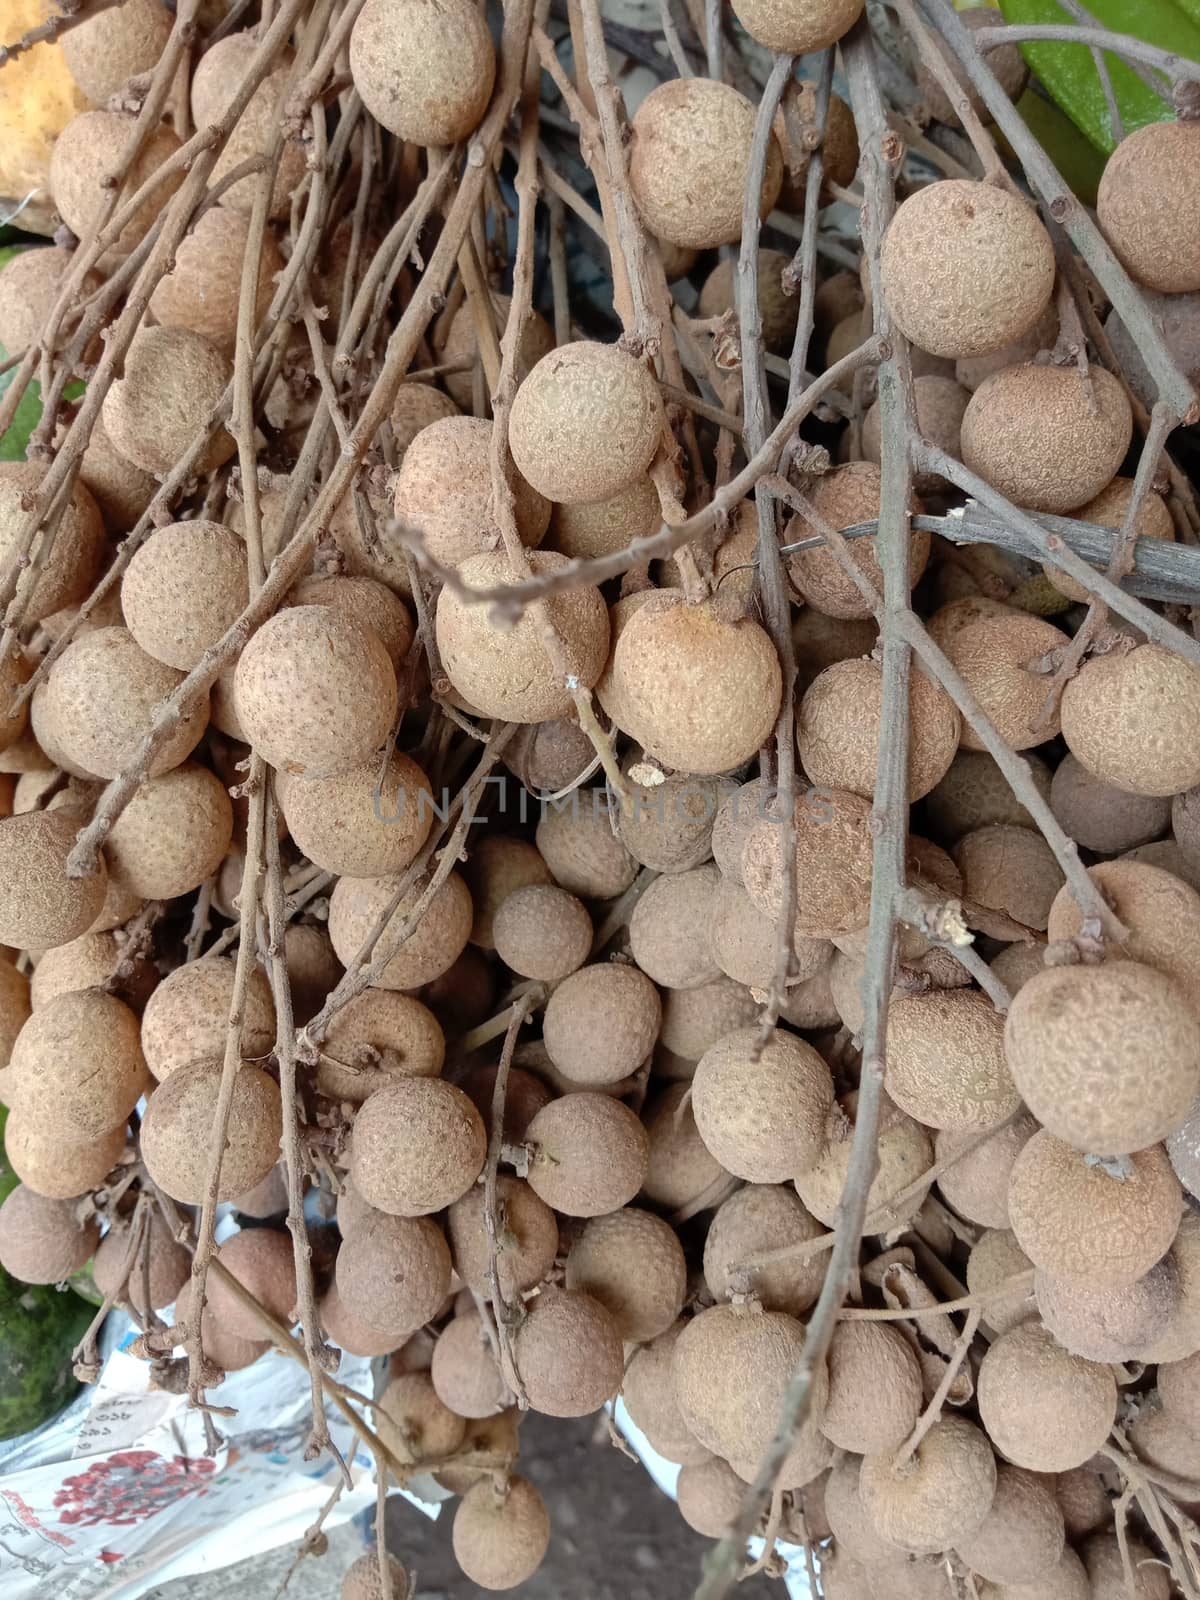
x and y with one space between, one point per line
15 441
8 1178
1076 158
1069 73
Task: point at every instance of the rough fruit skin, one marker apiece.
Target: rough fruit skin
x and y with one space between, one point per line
1106 1570
944 1495
460 343
413 1422
945 1059
601 527
632 1262
940 404
217 76
601 1023
689 156
594 1153
763 1218
526 1249
184 587
763 1120
177 1128
77 1065
693 1019
496 867
875 1393
172 835
709 1494
505 671
543 932
393 1273
966 268
833 863
1179 1388
1109 1324
568 1352
362 823
500 1538
974 793
87 149
1101 817
169 387
432 948
905 1152
417 1146
649 1398
1108 509
361 1579
170 1267
261 1259
424 68
1149 205
40 906
415 407
837 731
1078 1040
778 310
48 1166
315 691
377 1037
977 1184
698 692
662 929
1038 436
30 282
730 1368
852 1528
1074 1220
1043 1408
796 28
74 563
1023 1535
1134 720
203 291
842 497
1005 60
993 654
680 1167
40 1240
995 1257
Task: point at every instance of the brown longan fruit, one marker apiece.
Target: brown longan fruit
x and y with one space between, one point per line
759 1219
1009 870
975 793
1045 437
104 51
794 30
177 1131
1102 817
54 1167
30 283
905 1153
41 1240
73 563
14 1008
1168 857
853 1529
424 68
500 1534
365 822
100 697
543 932
694 1019
1022 1537
349 1332
460 344
777 309
549 756
1109 1324
709 1494
1077 1041
170 385
203 291
762 1116
187 1017
568 1352
526 1246
413 1422
996 656
739 812
505 671
1004 60
1106 1569
941 403
585 423
995 1257
590 1154
40 906
731 1366
173 834
169 1266
633 1264
361 1580
976 1186
841 292
377 1037
581 850
1084 1501
664 924
430 950
680 1166
688 162
837 730
262 1261
498 865
393 1273
122 491
1148 204
941 1494
649 1398
1108 509
1133 719
602 527
216 79
315 691
417 1146
1042 1407
667 825
77 1065
743 941
1074 1219
224 1350
88 150
444 493
945 1059
184 588
972 370
1179 1389
809 1005
966 267
875 1394
416 405
842 497
1175 316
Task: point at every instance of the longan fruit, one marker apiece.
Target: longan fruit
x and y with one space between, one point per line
970 371
393 1273
680 1167
590 1154
183 589
945 1059
631 1262
1168 857
1177 317
1022 1537
1084 1501
224 1350
698 692
377 1037
1044 436
966 267
842 497
30 283
688 162
1106 1569
424 68
216 79
975 793
1183 1148
758 1220
694 1019
744 941
649 1398
568 1352
833 863
444 493
994 655
413 1422
177 1131
709 1494
543 932
840 293
853 1530
460 344
173 834
41 1241
668 825
15 1008
203 291
588 529
416 1147
778 310
170 386
498 865
976 1186
547 757
169 1266
262 1261
40 906
1074 1219
662 929
941 403
88 150
1148 204
1102 817
73 564
77 1065
1004 60
346 1330
996 1257
794 30
417 404
104 51
837 730
505 671
763 1119
1109 1324
1043 1408
581 850
875 1393
1108 510
1133 720
315 691
54 1167
501 1534
429 951
122 491
364 822
585 423
941 1494
361 1580
526 1245
1009 870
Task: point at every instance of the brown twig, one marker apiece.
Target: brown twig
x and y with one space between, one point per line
507 1315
